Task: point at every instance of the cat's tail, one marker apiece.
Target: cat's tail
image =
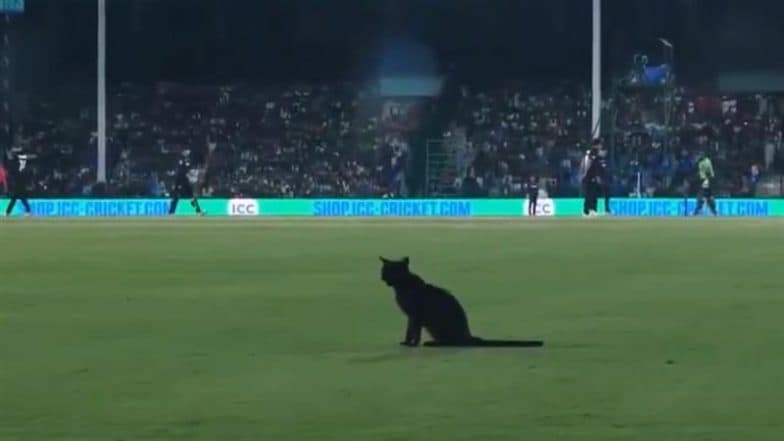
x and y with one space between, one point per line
507 343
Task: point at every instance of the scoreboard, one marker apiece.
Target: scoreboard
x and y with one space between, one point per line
12 6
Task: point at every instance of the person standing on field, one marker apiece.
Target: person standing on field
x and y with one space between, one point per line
590 170
532 188
706 174
18 180
183 187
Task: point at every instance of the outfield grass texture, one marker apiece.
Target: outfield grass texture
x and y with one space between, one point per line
202 329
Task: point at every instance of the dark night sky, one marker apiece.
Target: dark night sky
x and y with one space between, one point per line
204 40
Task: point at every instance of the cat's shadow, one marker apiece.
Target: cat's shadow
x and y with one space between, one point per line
405 354
429 353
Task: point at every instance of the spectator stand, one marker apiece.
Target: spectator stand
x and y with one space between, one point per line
640 133
516 130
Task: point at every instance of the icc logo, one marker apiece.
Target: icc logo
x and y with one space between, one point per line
544 207
243 207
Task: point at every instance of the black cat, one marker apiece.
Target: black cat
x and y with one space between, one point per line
434 309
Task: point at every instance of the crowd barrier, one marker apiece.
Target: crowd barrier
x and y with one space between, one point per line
389 208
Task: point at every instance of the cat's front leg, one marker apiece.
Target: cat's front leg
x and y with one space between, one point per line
413 333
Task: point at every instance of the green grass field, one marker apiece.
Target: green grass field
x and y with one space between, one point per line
225 330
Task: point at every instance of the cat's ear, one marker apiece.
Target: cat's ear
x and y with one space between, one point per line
406 260
383 260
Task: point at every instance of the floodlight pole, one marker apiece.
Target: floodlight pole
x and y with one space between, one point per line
101 111
596 73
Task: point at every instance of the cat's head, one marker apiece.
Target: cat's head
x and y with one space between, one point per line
394 272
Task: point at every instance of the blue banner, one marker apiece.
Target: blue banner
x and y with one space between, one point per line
120 207
389 208
98 207
410 207
680 207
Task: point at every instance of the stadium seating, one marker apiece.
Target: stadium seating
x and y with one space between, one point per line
346 140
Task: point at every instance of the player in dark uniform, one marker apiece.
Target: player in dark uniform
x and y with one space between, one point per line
605 177
18 180
590 171
183 189
532 189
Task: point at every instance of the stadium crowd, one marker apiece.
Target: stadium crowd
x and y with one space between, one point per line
520 133
346 140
